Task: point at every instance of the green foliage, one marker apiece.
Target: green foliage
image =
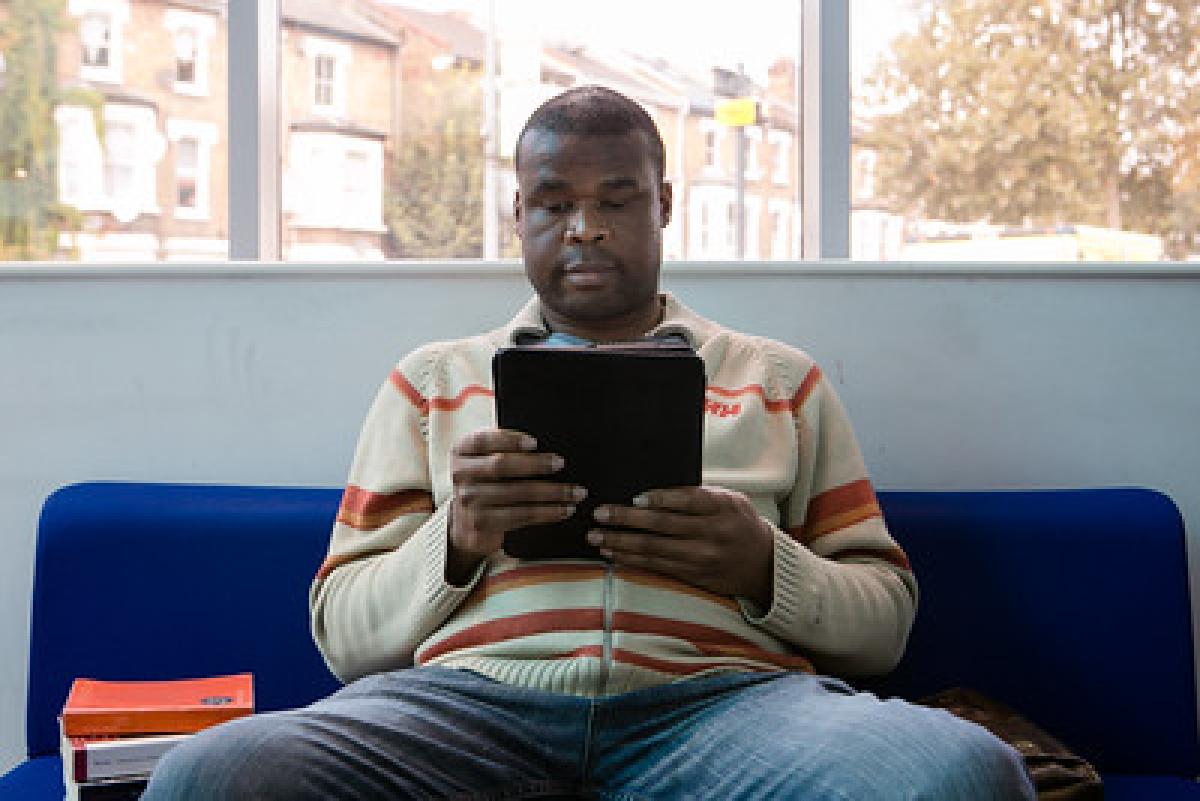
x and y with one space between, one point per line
30 214
433 205
1043 112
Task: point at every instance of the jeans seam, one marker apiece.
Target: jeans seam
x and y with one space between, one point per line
585 767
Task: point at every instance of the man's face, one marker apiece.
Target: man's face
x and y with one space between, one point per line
590 210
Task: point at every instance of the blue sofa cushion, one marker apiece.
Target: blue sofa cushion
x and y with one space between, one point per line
1069 605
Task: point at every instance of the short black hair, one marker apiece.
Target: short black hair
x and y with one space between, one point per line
594 110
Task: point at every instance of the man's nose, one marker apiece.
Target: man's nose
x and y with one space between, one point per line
586 226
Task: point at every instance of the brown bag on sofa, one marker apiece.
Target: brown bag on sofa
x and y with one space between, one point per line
1058 774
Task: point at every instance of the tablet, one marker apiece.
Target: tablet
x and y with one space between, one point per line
624 418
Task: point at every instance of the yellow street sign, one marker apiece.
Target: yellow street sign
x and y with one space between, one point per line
736 111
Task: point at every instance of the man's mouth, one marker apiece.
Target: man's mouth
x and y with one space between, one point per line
588 273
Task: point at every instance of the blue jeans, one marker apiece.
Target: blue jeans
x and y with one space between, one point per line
427 733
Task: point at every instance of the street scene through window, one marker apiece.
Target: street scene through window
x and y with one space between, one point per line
1001 130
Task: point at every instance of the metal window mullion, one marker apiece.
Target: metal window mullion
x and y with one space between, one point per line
254 130
825 129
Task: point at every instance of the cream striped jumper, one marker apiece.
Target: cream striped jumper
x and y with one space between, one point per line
843 594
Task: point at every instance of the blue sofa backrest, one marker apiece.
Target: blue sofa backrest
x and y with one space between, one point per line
150 581
1069 605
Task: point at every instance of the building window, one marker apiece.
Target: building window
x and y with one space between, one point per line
185 57
79 157
778 216
120 161
132 150
187 162
192 33
325 73
335 181
329 65
100 23
95 34
192 142
781 164
754 138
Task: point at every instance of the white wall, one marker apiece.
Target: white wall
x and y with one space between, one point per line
993 377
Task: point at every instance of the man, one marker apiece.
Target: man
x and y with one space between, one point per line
697 659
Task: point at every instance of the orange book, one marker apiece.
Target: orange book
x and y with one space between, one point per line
156 707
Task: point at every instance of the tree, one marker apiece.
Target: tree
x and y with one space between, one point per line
1043 112
30 215
433 206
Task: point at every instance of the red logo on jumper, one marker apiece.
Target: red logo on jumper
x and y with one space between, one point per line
722 409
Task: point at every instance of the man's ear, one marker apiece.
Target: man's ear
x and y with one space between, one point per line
666 200
517 213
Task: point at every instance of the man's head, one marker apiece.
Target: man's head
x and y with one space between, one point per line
590 207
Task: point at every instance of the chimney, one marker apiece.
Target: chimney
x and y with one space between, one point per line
781 81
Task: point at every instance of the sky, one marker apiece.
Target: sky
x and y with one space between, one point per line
696 34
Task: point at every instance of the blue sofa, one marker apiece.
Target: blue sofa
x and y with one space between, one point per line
1069 605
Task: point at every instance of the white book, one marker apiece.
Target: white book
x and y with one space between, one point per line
93 758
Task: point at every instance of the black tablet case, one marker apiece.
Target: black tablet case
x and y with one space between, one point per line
624 418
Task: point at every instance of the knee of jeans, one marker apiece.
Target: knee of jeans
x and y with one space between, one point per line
979 765
210 765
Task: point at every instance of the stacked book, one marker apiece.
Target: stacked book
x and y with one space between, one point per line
114 732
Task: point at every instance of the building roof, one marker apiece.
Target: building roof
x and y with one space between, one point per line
343 127
212 6
449 30
334 18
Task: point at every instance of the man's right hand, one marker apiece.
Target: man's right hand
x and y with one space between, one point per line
500 483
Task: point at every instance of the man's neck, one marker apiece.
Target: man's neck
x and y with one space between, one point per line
600 331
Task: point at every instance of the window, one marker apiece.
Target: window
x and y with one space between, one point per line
328 66
192 142
1026 131
753 144
185 57
779 214
192 33
99 25
95 33
781 154
713 138
120 162
441 196
79 157
325 74
333 192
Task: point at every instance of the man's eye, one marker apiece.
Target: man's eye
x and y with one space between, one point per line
612 204
557 206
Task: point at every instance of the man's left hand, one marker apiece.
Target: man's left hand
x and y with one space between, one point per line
707 536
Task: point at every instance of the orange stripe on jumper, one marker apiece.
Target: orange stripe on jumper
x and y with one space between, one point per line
532 576
331 563
367 511
780 405
891 554
436 403
510 628
836 509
